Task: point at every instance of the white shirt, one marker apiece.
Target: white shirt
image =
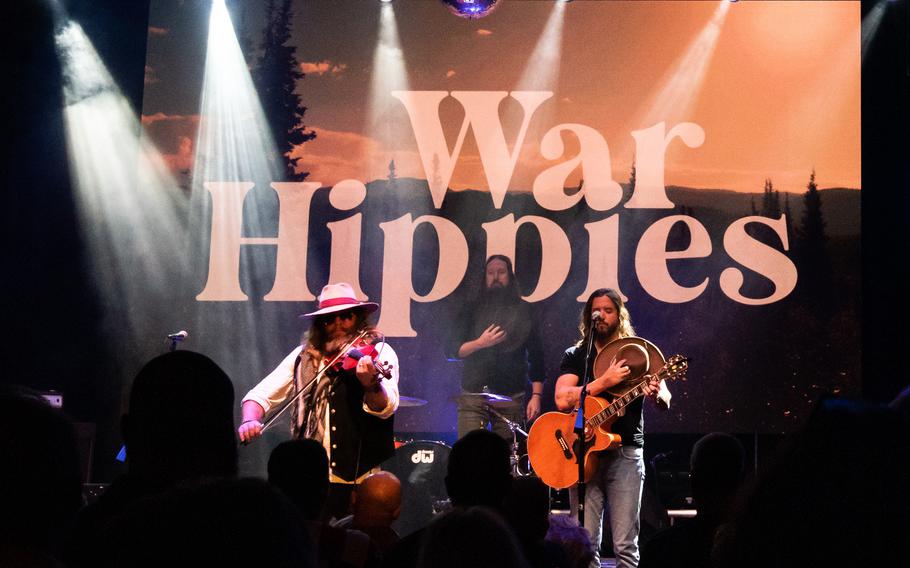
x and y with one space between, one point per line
278 385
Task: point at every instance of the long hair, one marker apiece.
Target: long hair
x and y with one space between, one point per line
625 320
512 291
316 335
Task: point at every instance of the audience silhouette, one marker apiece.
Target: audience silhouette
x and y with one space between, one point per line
179 429
527 511
837 494
572 538
716 471
376 504
300 468
219 522
473 536
477 473
39 478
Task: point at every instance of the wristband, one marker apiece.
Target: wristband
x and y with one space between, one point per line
536 393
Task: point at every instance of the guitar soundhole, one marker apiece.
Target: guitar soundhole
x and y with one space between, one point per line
563 445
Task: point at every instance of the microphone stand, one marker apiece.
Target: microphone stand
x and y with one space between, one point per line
582 448
516 429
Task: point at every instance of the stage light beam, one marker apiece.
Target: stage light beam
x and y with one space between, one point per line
234 144
541 72
871 22
131 212
234 141
389 73
682 83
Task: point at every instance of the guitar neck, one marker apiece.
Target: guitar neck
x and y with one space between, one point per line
673 369
617 405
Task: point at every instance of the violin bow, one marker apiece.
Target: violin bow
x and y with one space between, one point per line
338 357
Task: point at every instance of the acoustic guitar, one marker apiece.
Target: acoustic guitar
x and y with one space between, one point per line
553 444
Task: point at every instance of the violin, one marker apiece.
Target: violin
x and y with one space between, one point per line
356 350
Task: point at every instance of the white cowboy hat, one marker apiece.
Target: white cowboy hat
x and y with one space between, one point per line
337 298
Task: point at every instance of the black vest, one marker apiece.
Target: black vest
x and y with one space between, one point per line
358 441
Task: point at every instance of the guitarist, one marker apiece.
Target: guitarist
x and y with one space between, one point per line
621 472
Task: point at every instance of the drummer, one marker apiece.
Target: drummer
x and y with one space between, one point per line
349 412
497 338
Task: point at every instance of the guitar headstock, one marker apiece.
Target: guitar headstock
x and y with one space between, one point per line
675 368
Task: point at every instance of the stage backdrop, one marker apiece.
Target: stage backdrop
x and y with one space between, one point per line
701 157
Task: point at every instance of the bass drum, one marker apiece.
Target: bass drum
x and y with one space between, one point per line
421 467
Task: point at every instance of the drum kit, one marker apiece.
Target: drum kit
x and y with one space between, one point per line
520 468
421 464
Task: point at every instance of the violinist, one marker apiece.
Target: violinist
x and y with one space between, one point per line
350 408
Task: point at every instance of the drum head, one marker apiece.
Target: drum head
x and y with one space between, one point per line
421 467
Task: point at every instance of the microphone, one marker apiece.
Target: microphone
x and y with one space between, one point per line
596 316
179 336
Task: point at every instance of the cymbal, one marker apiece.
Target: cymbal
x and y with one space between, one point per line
410 401
493 400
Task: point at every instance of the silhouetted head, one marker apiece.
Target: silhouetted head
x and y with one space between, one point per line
475 537
300 468
40 485
574 539
478 470
377 500
180 422
527 508
222 522
716 470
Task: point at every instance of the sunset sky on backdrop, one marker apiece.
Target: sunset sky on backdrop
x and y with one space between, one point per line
781 94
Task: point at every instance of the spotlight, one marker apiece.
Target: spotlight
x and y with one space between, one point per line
471 9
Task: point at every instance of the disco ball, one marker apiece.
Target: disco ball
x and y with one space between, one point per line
471 9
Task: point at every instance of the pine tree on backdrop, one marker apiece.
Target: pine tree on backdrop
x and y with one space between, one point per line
770 201
812 253
812 230
791 234
393 176
276 76
630 188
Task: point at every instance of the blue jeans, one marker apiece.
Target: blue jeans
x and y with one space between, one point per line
620 478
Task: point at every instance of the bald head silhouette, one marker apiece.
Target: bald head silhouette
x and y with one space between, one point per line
377 501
